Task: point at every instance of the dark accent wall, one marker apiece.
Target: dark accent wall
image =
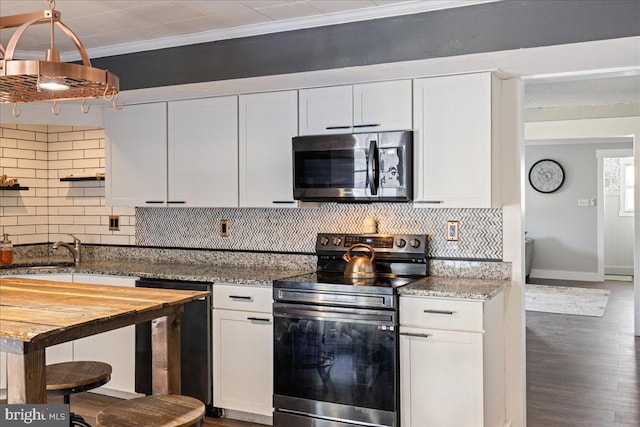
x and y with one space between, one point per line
491 27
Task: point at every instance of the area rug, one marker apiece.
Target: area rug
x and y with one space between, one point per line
567 300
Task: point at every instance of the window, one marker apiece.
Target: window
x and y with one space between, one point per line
626 186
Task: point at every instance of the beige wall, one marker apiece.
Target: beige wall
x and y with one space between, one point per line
39 156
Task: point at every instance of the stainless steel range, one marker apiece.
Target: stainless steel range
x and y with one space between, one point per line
336 335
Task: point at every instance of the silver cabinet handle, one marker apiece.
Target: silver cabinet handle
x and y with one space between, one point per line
337 127
283 202
245 298
439 312
429 202
258 319
150 202
409 334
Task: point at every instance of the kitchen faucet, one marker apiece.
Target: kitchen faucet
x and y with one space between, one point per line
75 249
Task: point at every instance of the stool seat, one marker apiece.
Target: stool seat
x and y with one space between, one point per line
75 377
169 410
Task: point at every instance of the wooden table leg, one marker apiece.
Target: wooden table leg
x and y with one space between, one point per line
165 355
26 379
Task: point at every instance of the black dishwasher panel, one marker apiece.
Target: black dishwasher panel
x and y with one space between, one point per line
195 343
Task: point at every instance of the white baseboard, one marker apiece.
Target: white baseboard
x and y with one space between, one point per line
618 270
565 275
247 417
115 393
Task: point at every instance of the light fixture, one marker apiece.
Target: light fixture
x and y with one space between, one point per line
50 79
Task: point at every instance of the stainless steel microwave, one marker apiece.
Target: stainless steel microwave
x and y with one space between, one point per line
358 167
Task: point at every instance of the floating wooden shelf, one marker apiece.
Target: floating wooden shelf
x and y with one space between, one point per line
83 178
13 188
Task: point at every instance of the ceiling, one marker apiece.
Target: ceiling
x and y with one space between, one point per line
133 25
117 27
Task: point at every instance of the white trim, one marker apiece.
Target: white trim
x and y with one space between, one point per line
570 141
613 153
566 275
377 12
619 270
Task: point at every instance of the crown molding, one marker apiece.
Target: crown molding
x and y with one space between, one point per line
386 11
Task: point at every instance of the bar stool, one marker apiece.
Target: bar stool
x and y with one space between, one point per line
75 377
169 410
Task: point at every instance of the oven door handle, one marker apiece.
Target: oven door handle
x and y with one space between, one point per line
375 317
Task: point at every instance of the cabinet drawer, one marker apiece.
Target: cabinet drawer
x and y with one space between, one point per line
242 297
438 313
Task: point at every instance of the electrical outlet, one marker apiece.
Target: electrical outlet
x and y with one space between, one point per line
452 230
224 228
114 222
583 202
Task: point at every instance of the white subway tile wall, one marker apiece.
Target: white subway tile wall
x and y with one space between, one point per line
38 156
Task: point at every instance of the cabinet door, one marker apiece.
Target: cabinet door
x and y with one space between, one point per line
54 354
203 152
382 106
268 122
326 110
243 361
452 117
136 155
116 347
441 378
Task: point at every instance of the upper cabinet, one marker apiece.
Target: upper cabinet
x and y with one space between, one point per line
136 155
181 153
456 139
363 107
203 152
268 122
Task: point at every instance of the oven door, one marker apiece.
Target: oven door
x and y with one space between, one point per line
334 365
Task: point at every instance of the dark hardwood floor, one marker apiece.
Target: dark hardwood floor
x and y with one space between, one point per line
584 371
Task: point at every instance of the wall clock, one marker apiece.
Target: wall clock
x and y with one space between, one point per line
546 176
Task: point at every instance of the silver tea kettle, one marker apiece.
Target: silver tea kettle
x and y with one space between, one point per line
360 265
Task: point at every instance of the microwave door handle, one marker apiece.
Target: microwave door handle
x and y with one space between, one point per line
372 170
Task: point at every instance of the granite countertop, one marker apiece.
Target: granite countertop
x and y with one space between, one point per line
431 286
263 276
455 287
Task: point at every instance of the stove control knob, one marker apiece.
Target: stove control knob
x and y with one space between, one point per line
401 243
324 241
337 241
414 243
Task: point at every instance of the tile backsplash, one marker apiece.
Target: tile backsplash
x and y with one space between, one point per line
294 230
40 155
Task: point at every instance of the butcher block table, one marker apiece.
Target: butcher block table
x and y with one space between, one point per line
35 314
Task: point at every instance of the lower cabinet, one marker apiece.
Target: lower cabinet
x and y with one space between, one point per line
243 349
451 362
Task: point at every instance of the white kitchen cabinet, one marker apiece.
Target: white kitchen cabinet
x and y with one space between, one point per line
136 155
378 106
181 153
382 106
326 110
117 347
54 354
268 122
451 362
243 348
203 152
456 141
